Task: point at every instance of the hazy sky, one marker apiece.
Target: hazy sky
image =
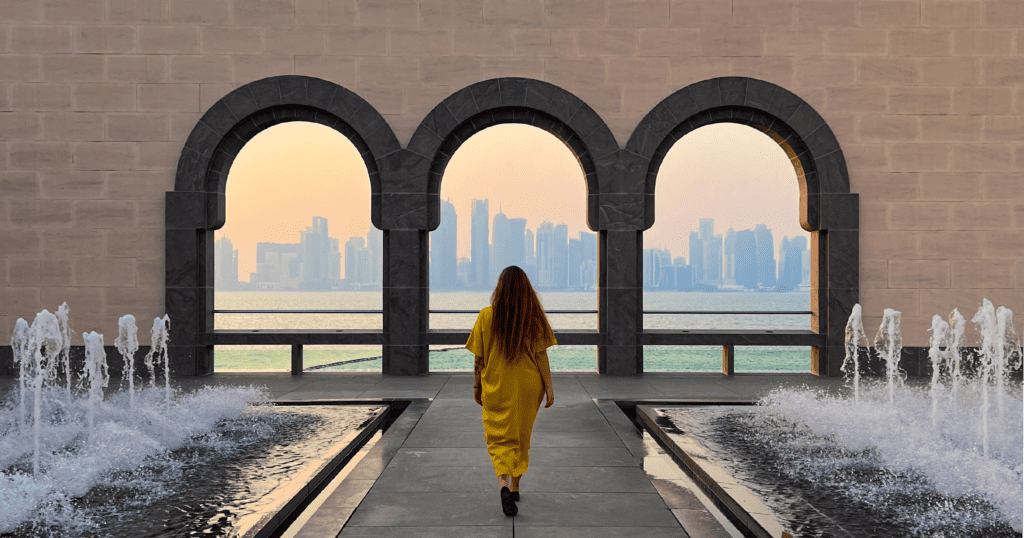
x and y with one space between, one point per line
291 172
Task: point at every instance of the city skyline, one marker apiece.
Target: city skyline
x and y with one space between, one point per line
529 174
551 259
741 259
315 263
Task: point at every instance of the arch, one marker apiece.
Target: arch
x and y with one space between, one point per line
510 100
196 207
827 208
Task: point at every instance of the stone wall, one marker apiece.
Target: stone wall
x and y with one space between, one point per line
97 98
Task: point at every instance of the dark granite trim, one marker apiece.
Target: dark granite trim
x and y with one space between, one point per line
196 207
509 100
826 204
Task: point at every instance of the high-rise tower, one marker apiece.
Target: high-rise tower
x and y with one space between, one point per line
501 250
479 245
765 256
443 250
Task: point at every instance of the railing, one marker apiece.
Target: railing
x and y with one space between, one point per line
728 339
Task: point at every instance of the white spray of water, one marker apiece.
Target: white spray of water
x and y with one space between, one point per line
45 344
19 345
890 339
986 319
127 344
157 351
95 374
940 331
65 353
957 323
854 334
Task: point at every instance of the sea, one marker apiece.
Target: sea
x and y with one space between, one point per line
562 358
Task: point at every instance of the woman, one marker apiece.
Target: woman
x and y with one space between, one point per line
512 376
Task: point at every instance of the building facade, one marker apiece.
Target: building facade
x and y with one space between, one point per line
119 121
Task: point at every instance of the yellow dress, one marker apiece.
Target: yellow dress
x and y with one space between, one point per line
511 396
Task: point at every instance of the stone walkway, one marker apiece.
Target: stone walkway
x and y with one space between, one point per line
591 472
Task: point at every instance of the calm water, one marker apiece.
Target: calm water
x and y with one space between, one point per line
566 358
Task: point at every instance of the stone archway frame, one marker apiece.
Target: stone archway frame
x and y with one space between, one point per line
196 207
422 163
827 208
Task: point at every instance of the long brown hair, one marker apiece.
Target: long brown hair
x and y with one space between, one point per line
518 319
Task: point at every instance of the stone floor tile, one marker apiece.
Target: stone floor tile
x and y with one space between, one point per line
425 437
421 478
585 480
427 532
526 531
594 510
581 456
441 457
700 524
391 509
579 439
678 493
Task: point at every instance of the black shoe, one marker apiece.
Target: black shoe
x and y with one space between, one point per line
515 496
508 506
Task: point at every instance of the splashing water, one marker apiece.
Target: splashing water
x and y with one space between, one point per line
903 441
956 324
95 374
963 450
940 331
127 344
854 334
45 343
157 351
19 345
65 353
890 339
78 441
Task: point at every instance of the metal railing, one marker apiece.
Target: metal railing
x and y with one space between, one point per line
785 312
728 350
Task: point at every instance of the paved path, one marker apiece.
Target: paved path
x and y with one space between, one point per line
592 473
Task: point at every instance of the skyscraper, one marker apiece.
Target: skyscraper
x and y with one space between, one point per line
575 262
746 259
334 270
530 257
375 244
790 264
713 260
501 249
352 270
729 256
560 251
516 236
225 260
443 250
545 255
316 263
765 256
479 246
707 229
697 258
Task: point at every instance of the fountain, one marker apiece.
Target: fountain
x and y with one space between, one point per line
897 459
127 344
140 462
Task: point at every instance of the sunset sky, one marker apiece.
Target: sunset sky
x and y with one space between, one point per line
292 172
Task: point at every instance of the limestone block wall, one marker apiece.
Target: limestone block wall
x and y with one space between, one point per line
925 97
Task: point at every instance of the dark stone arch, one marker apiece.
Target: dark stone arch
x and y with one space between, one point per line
197 205
510 100
827 208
